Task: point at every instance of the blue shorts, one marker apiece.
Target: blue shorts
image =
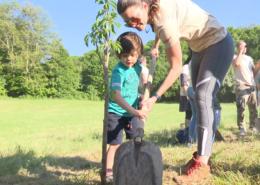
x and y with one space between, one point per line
116 125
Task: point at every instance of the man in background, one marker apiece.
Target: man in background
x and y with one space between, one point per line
245 87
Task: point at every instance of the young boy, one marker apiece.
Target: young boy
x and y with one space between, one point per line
123 102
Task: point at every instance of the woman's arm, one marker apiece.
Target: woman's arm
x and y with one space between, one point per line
174 56
155 48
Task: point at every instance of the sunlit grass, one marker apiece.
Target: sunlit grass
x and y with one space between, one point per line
52 142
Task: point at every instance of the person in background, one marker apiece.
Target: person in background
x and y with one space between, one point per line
257 81
145 70
217 118
245 87
193 125
184 105
212 52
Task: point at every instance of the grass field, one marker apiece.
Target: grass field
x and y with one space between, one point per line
54 142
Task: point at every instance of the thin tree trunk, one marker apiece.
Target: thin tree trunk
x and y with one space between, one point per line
27 60
104 141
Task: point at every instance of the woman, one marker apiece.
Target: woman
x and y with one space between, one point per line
212 52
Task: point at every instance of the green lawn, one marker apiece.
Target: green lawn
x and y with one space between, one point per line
52 142
56 127
61 127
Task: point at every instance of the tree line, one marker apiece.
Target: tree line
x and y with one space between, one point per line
34 62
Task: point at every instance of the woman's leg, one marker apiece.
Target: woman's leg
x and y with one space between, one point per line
208 70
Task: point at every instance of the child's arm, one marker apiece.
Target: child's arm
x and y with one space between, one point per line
116 96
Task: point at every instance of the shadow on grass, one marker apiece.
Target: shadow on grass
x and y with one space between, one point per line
163 138
25 168
167 138
71 163
232 134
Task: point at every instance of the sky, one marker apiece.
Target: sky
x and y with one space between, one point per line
72 19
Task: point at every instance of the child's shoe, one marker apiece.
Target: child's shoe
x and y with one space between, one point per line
109 176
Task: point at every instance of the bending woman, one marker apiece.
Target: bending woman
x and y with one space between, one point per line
212 52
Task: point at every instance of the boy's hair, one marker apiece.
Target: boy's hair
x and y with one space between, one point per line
130 42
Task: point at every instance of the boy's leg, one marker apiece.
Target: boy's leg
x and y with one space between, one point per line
114 139
110 158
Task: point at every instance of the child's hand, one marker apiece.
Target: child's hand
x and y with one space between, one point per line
142 114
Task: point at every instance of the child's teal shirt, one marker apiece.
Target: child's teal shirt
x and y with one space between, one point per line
126 80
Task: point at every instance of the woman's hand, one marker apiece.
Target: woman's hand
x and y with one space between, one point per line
147 104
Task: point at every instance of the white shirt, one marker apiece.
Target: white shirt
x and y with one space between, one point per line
243 74
183 19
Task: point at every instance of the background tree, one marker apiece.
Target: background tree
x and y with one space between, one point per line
99 36
62 73
24 38
33 60
251 35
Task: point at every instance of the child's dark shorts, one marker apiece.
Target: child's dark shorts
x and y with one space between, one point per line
116 125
